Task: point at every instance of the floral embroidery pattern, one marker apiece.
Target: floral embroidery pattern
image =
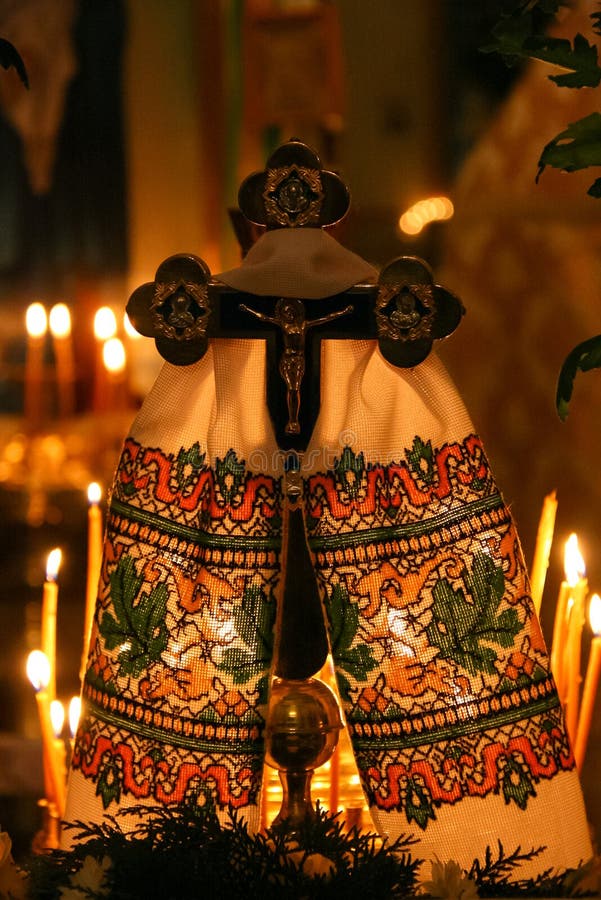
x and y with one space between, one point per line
441 664
178 673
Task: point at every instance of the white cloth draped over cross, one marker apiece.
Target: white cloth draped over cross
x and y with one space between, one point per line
441 666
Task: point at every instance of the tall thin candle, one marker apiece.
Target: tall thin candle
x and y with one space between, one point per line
60 329
573 640
115 361
36 323
562 611
105 328
49 611
38 672
544 539
591 683
93 568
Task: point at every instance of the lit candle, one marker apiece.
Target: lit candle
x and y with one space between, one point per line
334 797
36 324
60 329
57 720
133 339
591 682
49 608
114 359
74 714
544 539
93 567
105 328
38 672
129 329
573 644
561 613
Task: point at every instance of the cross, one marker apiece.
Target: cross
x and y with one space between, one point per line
184 308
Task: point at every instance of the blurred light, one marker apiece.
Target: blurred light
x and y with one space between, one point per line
60 321
113 355
105 323
129 329
74 714
94 492
573 562
57 717
431 209
38 669
36 320
53 564
594 614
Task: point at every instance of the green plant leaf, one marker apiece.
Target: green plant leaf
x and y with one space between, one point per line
137 624
583 357
10 58
581 57
521 34
595 189
578 147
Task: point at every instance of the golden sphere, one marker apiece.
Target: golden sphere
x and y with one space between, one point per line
303 722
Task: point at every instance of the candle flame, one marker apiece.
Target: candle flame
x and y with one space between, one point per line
60 321
129 328
38 669
594 614
105 323
57 717
573 562
53 564
113 355
94 492
36 320
74 714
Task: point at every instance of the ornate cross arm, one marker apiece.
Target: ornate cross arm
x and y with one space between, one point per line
184 308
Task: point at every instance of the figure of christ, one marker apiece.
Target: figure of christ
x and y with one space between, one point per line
290 317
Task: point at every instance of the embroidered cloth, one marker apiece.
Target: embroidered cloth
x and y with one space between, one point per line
441 666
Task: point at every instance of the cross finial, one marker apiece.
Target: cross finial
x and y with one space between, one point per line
294 191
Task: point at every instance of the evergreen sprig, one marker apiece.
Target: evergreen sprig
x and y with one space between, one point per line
187 854
495 876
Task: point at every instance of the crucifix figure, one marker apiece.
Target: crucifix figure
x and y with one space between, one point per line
290 318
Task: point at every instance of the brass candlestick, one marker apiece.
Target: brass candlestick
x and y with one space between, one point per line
302 732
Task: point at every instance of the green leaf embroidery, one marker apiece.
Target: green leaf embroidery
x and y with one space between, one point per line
109 783
254 621
343 617
230 475
187 466
418 805
137 626
464 628
349 471
517 785
421 459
